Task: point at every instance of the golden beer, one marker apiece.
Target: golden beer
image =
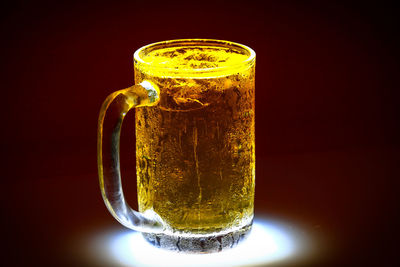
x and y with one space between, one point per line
195 150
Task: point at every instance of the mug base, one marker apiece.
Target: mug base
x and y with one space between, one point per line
199 243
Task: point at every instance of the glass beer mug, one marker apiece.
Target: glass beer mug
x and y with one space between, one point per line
195 145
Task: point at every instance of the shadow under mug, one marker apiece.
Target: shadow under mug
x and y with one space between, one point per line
194 103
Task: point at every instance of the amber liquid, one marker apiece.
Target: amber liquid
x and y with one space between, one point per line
195 150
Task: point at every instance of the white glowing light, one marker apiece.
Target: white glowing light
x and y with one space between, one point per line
268 242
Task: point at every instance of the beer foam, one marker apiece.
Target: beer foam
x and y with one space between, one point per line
200 60
195 57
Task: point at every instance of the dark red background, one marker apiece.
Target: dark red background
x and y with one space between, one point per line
327 146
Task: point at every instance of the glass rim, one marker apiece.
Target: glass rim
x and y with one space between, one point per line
171 43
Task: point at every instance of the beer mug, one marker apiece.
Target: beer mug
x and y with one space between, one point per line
195 144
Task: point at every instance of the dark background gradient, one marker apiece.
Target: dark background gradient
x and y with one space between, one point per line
326 124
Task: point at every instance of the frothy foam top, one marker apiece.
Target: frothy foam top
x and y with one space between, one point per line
194 57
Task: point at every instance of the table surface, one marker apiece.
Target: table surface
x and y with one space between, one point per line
340 200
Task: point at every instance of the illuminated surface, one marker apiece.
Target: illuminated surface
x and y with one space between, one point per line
270 241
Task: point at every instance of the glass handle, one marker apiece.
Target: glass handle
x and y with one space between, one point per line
111 116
